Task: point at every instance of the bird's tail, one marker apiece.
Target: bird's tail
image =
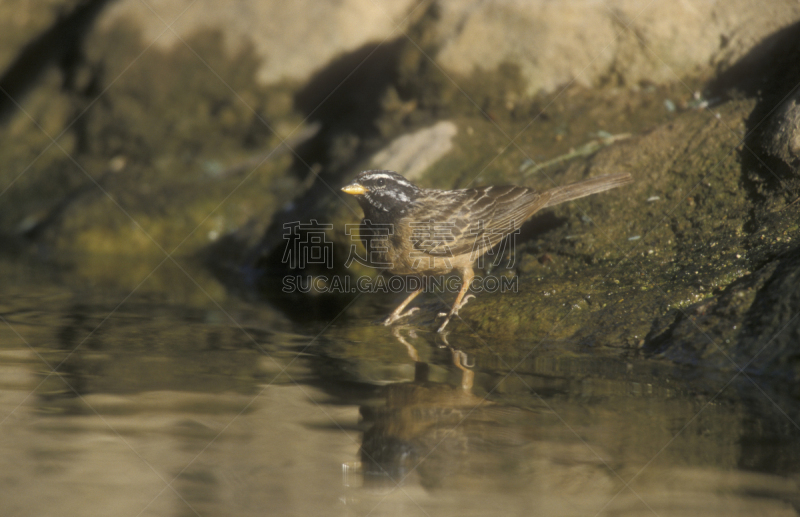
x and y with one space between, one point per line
586 188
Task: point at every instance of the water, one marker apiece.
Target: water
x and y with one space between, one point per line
172 397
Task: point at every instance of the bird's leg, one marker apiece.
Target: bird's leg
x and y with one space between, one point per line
460 361
466 278
398 312
412 352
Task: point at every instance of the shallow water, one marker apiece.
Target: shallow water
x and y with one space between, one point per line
174 398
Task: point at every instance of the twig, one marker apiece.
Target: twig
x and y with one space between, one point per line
587 149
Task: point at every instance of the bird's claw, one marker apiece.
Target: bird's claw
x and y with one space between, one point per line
394 317
453 312
464 301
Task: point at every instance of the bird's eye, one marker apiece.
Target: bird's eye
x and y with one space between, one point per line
381 182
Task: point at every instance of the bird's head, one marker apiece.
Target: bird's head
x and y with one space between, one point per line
384 191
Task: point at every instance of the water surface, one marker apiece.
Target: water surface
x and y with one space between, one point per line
172 397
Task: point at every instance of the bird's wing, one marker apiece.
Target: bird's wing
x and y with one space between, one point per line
456 222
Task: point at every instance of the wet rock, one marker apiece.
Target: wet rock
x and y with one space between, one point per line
600 286
146 148
752 326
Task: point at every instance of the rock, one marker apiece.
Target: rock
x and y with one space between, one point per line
148 143
412 154
781 138
770 149
552 43
291 39
752 325
623 41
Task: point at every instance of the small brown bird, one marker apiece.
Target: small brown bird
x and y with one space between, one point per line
425 232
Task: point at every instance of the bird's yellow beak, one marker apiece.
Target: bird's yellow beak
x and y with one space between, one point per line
354 189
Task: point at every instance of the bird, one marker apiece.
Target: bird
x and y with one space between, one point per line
409 230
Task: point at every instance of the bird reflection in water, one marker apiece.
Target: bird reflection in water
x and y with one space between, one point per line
433 431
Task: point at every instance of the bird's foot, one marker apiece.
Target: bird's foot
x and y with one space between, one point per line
453 312
464 301
398 315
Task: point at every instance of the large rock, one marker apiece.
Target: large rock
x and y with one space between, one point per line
622 41
291 39
552 43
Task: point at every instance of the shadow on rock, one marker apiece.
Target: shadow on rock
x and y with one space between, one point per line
345 99
769 72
